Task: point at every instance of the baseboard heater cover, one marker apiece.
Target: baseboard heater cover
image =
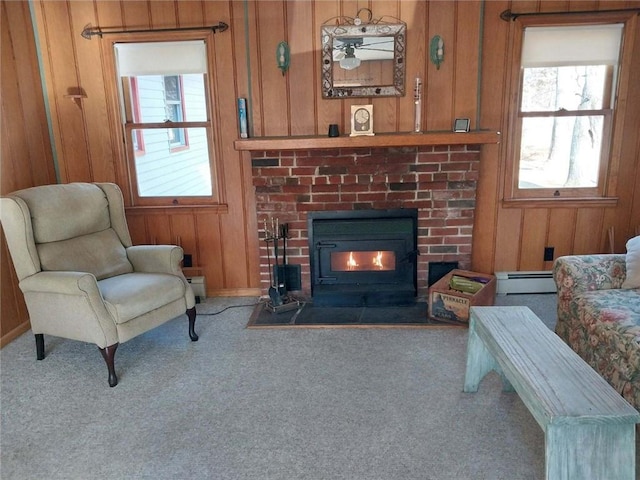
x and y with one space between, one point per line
525 282
199 287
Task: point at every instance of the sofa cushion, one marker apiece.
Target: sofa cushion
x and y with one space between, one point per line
99 253
133 294
64 211
633 264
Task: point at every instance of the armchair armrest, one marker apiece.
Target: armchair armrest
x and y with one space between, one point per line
69 304
581 273
156 258
64 283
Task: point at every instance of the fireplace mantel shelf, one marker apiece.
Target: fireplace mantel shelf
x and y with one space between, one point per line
477 137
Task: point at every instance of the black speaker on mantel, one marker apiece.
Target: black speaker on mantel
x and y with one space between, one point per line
437 270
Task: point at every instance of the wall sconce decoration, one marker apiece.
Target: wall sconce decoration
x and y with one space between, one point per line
283 57
436 51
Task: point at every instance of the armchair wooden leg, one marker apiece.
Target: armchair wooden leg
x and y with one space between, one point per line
39 346
108 354
191 313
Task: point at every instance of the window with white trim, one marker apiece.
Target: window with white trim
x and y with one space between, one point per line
565 110
168 132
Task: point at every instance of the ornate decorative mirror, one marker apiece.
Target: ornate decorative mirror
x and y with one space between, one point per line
363 60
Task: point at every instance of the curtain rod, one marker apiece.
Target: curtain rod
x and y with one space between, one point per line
90 31
508 16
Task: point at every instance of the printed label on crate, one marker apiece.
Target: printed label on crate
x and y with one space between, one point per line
449 307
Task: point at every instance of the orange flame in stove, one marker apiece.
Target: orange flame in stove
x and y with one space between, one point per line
351 263
377 260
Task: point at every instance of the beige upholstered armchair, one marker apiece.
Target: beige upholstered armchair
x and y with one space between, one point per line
81 277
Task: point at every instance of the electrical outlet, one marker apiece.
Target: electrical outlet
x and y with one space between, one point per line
548 254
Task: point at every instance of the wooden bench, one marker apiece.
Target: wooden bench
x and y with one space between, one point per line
589 428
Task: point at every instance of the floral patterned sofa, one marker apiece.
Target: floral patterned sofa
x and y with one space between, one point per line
600 319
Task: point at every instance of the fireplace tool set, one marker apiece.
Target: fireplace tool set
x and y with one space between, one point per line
278 301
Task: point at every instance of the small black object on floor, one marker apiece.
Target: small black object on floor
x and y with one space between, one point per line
308 315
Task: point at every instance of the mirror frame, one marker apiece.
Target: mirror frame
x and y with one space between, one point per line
396 30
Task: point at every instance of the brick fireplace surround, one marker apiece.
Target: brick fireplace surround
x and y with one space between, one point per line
440 181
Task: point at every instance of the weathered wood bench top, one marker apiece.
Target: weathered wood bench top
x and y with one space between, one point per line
541 366
589 428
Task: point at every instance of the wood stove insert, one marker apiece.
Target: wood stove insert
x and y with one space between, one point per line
363 257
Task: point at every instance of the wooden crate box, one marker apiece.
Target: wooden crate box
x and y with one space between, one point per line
452 306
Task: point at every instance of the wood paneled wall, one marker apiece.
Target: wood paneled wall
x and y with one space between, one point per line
509 239
26 159
470 83
222 240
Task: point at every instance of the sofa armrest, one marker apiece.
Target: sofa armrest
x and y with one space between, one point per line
581 273
156 258
70 305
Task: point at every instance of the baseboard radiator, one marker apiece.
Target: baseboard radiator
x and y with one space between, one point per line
199 287
525 282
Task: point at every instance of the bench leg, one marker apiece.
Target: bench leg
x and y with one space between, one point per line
596 452
479 361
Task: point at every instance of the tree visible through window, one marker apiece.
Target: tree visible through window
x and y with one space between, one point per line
565 110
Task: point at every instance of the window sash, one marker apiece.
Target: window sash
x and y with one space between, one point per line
179 144
515 196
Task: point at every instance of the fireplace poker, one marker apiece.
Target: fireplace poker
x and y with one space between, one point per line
274 291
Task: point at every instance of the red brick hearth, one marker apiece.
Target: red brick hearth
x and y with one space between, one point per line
439 181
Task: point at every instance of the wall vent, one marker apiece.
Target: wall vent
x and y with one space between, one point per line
525 282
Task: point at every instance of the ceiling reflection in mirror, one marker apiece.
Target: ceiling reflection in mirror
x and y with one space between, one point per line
363 60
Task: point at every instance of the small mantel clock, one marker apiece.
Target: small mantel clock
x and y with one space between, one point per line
361 120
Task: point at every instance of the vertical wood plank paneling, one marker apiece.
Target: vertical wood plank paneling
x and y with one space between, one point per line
15 142
388 121
589 235
508 235
414 13
245 30
235 224
108 13
293 105
138 229
136 15
184 234
349 8
583 5
27 158
28 118
94 108
190 13
625 182
439 96
466 60
15 318
534 235
210 236
554 5
56 39
494 56
163 14
158 227
559 236
331 110
302 70
271 18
